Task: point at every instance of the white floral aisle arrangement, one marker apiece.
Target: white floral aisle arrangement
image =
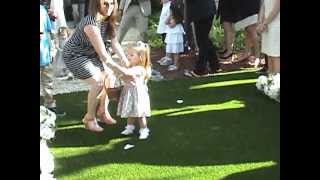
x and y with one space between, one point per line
47 132
270 86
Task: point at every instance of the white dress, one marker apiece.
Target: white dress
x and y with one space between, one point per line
134 100
174 39
270 43
57 7
165 13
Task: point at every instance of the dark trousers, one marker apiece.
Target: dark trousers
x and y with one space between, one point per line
207 51
163 37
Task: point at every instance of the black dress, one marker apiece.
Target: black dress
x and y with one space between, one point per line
237 10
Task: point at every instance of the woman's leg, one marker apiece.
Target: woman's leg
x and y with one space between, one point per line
252 42
228 38
275 64
103 111
96 85
270 65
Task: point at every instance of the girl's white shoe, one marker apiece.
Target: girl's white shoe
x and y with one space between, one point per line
172 67
165 58
128 130
144 133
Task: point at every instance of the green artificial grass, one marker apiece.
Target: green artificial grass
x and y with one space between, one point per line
224 129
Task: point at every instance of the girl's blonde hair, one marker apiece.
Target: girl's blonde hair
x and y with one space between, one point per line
143 51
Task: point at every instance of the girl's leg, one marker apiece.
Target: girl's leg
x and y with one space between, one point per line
131 120
129 127
142 122
144 131
176 59
175 64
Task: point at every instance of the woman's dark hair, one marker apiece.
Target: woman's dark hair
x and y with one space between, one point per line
94 7
176 10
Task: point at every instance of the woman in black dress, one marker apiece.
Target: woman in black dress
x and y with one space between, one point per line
242 14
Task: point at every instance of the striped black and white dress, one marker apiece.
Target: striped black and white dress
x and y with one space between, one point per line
79 55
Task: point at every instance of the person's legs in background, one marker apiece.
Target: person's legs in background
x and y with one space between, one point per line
252 44
126 23
46 80
75 13
202 28
228 40
142 26
82 7
275 65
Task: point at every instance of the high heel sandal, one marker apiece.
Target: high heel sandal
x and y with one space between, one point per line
222 51
105 118
92 125
227 56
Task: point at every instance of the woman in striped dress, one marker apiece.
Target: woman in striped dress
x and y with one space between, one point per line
85 55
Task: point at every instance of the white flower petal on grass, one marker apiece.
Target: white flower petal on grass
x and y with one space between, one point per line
128 146
179 101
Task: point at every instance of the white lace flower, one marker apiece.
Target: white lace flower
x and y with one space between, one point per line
47 123
262 81
46 159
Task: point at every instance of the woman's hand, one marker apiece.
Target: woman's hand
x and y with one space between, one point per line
128 76
261 27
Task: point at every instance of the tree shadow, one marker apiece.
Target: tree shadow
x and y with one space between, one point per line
266 173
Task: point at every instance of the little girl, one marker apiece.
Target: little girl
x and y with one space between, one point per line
134 102
174 37
269 26
162 28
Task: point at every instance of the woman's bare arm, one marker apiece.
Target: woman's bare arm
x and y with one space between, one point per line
120 52
93 33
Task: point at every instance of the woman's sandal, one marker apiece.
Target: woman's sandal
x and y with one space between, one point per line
92 125
222 51
104 117
227 56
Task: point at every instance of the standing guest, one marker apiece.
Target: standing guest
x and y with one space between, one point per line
269 26
202 13
162 27
46 71
134 11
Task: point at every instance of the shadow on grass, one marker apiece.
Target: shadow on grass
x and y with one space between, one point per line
210 137
266 173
